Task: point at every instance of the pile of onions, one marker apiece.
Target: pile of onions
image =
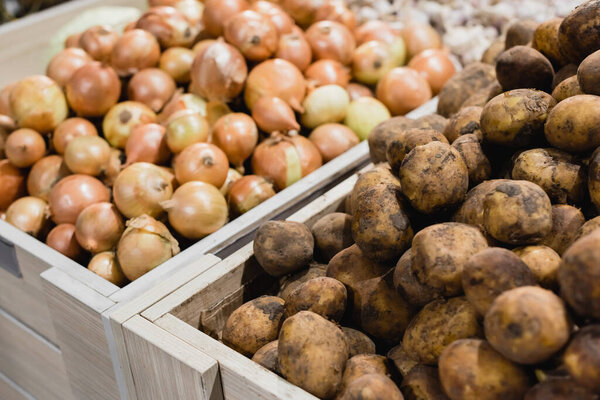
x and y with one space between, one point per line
217 12
303 11
170 27
99 227
336 11
72 40
107 266
177 62
420 37
29 214
364 114
233 176
122 118
74 193
69 129
331 40
115 162
87 155
98 41
435 66
64 64
62 239
5 99
276 78
44 174
279 18
152 87
248 192
202 162
375 30
196 209
253 34
294 48
333 140
328 72
373 59
147 143
325 104
93 89
134 51
356 90
180 102
237 135
185 128
24 147
274 115
12 183
402 90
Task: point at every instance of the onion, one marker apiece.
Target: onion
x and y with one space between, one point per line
24 147
87 155
327 72
93 89
140 188
145 244
435 66
375 30
331 40
236 134
285 160
274 115
192 10
402 90
5 100
373 59
336 11
325 104
279 18
37 102
294 48
276 78
202 162
197 209
253 34
122 118
364 114
217 12
184 129
98 41
333 140
134 51
181 102
215 110
170 27
219 72
177 62
203 44
99 227
4 132
232 176
62 239
64 64
12 183
69 129
419 37
152 87
303 11
107 266
29 214
356 90
44 174
74 193
73 40
147 143
248 192
113 169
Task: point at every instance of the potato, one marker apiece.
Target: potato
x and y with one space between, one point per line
527 324
324 296
254 324
434 177
462 85
582 357
524 67
574 124
565 72
464 122
333 233
578 275
594 178
403 361
471 210
312 353
490 55
422 383
566 221
491 272
406 282
363 364
283 247
351 266
516 118
470 369
382 133
439 253
587 228
367 180
358 342
432 121
520 33
372 387
478 165
543 263
438 324
545 40
588 74
555 171
517 212
267 357
559 389
480 97
567 88
579 32
288 283
398 148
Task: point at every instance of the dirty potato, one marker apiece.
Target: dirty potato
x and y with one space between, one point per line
588 74
480 97
372 387
358 342
267 357
566 222
403 361
579 32
565 72
288 283
382 133
520 33
524 67
462 85
477 163
574 124
406 282
464 122
367 180
351 266
471 210
398 148
587 228
563 388
490 55
363 364
432 121
543 263
422 383
332 233
324 296
594 178
567 88
582 357
545 40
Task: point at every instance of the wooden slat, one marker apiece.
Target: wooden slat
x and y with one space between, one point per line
9 390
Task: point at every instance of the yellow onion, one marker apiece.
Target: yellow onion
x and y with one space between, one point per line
147 143
303 11
134 51
232 176
236 134
65 63
248 192
336 11
276 78
140 188
196 209
274 115
44 174
72 194
73 40
402 90
325 104
179 102
122 118
177 62
373 59
107 266
37 102
356 90
184 129
62 239
435 66
202 162
98 41
69 129
7 125
170 27
87 155
12 183
282 21
285 160
327 72
192 10
294 48
217 12
152 87
215 110
145 244
99 227
29 214
115 162
253 34
419 37
93 89
375 30
331 40
333 140
203 44
24 147
5 100
364 114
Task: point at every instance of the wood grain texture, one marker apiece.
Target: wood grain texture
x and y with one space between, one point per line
9 390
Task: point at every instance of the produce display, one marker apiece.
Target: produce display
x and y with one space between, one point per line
136 144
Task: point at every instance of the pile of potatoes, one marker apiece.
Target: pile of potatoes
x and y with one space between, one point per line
466 265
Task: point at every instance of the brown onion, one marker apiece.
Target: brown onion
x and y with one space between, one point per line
73 40
217 12
282 21
402 90
147 143
232 176
24 147
336 11
375 30
215 110
37 102
203 44
274 115
179 102
184 129
202 162
333 140
435 66
29 214
294 48
93 89
219 72
285 160
5 100
44 174
327 72
276 78
107 266
69 129
122 118
331 40
192 10
98 41
62 239
356 90
74 193
253 34
134 51
236 134
248 192
12 183
170 27
152 87
197 209
88 155
303 11
170 3
419 37
373 59
117 158
64 64
177 62
99 227
140 188
145 244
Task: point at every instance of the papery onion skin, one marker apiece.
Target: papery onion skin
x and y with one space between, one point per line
294 48
217 12
122 118
74 193
274 115
107 266
152 87
65 63
375 30
29 214
402 90
236 134
253 34
12 183
197 209
62 239
435 66
338 12
179 102
419 37
331 40
177 62
99 227
170 27
117 158
44 174
184 129
24 147
325 104
147 143
5 99
135 50
203 44
232 176
202 162
98 41
328 72
87 155
364 114
373 59
192 10
248 192
93 89
69 129
278 17
303 11
357 90
276 78
333 140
